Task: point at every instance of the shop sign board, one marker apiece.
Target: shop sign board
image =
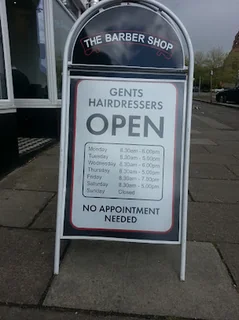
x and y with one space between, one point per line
125 130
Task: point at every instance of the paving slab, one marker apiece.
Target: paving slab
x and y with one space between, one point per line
213 222
212 123
143 279
232 144
234 168
52 151
19 207
195 131
223 150
211 158
45 161
30 177
197 149
26 264
219 136
202 141
14 313
230 254
219 191
47 219
211 171
198 125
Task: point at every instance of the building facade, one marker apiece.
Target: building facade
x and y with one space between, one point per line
32 40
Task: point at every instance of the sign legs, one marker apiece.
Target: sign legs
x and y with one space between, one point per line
57 255
183 261
185 209
183 240
57 236
184 237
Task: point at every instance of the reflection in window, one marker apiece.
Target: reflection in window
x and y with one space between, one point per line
28 50
70 5
3 85
62 25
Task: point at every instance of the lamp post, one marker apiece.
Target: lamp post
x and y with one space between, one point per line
211 75
199 85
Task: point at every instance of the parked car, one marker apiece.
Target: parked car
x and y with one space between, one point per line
218 90
231 95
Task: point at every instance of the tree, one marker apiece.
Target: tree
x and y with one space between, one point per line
224 66
231 67
214 61
215 58
199 58
200 69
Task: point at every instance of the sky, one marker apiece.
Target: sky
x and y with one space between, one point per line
210 23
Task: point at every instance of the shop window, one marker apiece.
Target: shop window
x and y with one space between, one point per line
3 85
63 23
28 48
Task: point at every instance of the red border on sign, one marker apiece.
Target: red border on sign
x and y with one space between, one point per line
73 163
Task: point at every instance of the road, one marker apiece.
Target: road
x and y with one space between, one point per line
228 116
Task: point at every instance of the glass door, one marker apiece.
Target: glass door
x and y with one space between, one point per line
3 83
8 117
26 23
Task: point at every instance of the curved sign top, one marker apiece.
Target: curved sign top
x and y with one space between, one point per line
129 35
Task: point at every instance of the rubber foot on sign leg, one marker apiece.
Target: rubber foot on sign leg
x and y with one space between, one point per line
56 270
182 277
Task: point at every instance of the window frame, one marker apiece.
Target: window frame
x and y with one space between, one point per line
9 102
74 19
52 101
67 11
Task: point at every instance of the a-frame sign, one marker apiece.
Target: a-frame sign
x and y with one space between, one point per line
125 129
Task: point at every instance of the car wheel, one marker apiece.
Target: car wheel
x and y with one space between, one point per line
224 99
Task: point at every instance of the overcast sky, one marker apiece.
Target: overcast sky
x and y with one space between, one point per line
210 23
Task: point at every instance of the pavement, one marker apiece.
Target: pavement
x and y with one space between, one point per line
207 100
126 281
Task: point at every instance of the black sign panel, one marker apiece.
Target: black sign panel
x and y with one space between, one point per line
129 35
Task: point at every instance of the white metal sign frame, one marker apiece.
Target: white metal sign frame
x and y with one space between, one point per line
172 18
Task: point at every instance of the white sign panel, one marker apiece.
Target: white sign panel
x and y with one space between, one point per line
125 156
